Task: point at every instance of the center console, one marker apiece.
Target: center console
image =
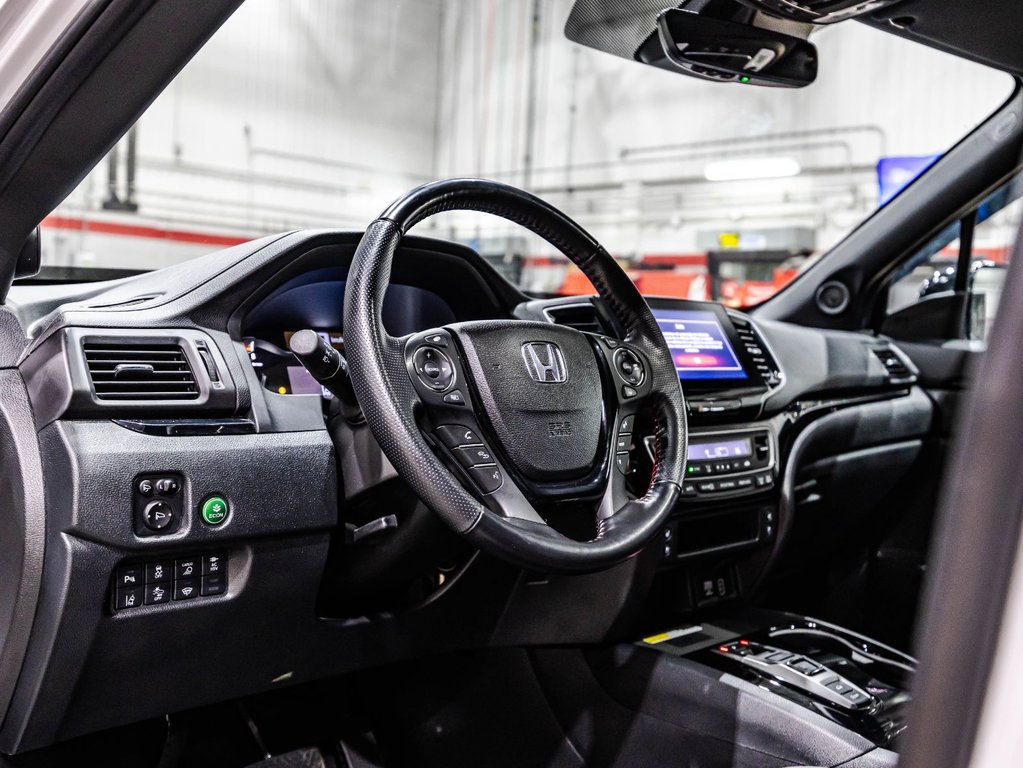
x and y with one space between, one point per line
853 681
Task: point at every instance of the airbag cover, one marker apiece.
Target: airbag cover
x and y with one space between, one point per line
550 428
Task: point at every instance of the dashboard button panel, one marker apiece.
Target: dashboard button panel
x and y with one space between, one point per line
163 581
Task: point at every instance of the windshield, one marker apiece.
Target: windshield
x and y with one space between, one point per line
319 113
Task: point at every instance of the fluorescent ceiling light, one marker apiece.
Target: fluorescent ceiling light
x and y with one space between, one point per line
751 168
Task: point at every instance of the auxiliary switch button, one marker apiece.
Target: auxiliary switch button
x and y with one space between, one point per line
158 515
157 593
128 598
214 510
187 568
159 571
215 584
186 589
488 479
213 565
129 577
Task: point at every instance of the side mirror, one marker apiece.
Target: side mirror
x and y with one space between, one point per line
731 51
30 256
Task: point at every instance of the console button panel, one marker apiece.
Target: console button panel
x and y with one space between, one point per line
798 671
166 580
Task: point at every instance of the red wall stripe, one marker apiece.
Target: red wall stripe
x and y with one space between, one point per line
138 230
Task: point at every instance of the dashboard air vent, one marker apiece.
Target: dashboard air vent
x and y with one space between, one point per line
582 317
139 370
766 366
898 372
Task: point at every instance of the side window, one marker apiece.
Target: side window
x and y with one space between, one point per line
998 221
929 272
970 258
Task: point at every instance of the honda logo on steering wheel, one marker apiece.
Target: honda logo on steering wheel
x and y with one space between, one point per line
544 362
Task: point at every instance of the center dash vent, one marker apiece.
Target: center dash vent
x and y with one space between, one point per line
139 370
582 317
898 371
766 366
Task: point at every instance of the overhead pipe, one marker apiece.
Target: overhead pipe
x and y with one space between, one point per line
877 130
531 95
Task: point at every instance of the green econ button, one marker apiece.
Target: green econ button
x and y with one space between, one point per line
214 510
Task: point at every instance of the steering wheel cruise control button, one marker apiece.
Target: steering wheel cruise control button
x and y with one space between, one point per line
158 515
214 510
434 368
487 478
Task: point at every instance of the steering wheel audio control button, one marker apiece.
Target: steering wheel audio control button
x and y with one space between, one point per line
455 436
454 397
214 510
158 515
629 367
474 456
434 368
487 479
627 422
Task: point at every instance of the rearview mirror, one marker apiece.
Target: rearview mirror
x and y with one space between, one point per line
729 51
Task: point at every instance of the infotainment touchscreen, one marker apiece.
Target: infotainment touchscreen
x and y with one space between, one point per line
699 345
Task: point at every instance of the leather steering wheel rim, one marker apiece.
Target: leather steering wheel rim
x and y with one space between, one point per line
390 402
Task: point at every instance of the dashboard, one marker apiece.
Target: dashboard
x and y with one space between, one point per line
238 461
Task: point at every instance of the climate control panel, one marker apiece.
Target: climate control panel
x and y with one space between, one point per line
730 463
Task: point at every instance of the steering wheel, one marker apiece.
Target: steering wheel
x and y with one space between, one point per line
485 420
